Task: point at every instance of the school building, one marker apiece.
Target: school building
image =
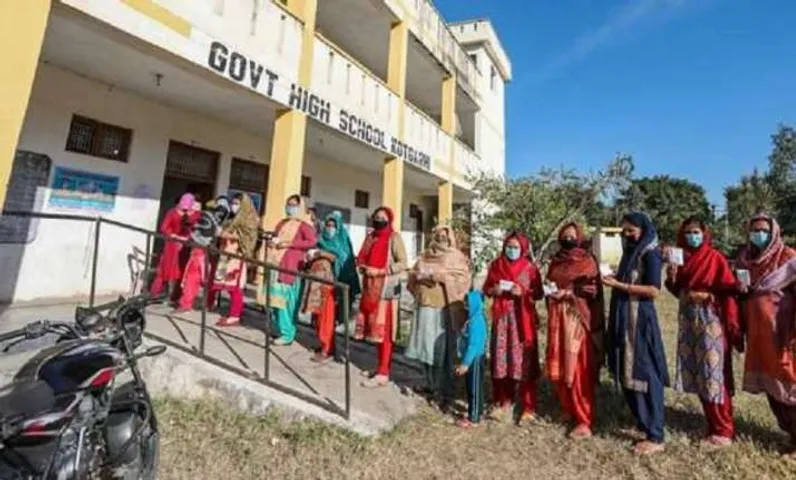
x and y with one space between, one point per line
116 107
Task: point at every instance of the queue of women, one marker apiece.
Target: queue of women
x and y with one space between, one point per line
749 307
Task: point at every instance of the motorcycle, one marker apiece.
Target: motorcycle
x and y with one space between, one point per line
64 417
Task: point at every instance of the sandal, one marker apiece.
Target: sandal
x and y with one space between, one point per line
320 358
580 432
500 414
527 417
465 423
377 381
716 441
646 447
228 322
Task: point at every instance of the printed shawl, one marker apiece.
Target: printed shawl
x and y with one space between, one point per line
523 273
705 269
574 322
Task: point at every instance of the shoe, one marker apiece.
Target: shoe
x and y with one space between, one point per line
281 342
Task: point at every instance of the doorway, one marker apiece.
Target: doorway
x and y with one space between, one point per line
189 169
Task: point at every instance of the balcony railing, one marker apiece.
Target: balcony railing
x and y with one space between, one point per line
468 163
425 133
261 29
347 83
431 29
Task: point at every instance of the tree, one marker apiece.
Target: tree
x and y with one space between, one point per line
781 177
753 193
537 205
667 200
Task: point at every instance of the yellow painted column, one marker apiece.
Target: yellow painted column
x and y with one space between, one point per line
449 105
445 193
290 127
445 207
22 26
284 172
393 170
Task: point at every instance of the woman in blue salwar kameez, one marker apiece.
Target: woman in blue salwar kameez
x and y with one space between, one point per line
636 357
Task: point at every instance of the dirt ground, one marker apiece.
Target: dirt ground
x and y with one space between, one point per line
208 441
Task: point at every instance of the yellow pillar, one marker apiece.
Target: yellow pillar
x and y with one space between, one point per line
445 193
445 207
22 25
290 127
284 172
393 171
449 105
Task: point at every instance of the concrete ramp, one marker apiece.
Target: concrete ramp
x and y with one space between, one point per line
233 369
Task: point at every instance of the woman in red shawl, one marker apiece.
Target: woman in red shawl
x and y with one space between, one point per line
514 284
768 314
575 324
177 223
709 327
382 262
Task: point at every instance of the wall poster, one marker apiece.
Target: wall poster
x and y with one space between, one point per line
80 190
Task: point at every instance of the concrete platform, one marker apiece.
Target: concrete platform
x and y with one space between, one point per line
233 368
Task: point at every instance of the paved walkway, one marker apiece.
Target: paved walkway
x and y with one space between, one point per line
241 350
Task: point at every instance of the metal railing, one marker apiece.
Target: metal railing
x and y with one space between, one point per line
264 309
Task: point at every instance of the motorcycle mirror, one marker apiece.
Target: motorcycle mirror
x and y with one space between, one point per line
155 351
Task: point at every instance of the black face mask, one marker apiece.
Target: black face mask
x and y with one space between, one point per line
380 224
568 243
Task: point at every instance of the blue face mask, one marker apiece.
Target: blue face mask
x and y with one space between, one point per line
759 239
291 210
694 240
512 253
329 233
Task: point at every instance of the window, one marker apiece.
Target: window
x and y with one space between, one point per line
306 186
247 175
492 78
474 59
348 78
91 137
361 199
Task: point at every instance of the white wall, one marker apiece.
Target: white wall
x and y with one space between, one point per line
57 263
490 120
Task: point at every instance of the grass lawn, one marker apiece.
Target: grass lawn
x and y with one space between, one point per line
209 441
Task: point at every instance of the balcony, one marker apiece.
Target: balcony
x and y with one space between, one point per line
259 29
424 133
361 28
433 33
468 164
338 77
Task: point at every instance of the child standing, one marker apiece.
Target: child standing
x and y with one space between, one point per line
473 361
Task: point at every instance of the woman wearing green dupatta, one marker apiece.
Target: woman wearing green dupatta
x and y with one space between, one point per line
333 261
294 236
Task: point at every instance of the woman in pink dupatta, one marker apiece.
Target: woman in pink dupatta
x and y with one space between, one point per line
288 250
769 316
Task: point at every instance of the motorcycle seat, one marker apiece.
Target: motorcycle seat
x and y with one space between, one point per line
27 398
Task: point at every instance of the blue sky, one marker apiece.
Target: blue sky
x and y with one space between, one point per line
691 88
